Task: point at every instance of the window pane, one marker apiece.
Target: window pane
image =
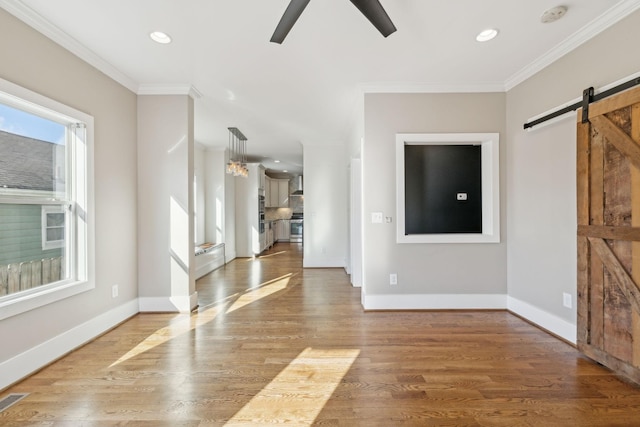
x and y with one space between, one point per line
55 219
24 262
33 153
55 234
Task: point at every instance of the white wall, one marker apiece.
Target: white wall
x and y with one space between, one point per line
541 180
214 176
229 213
35 338
325 206
429 275
200 183
166 272
220 202
355 222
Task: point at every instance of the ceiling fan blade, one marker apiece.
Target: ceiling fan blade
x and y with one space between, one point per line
291 15
376 14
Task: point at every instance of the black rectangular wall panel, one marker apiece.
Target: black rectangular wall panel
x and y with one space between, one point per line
443 189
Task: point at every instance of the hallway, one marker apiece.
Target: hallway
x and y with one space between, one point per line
272 343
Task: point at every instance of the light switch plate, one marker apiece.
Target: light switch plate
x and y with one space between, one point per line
376 217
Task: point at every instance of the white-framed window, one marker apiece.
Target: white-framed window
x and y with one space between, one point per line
53 227
46 200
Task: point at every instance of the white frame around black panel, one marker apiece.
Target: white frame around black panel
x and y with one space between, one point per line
490 143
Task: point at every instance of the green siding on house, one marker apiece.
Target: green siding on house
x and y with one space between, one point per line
21 235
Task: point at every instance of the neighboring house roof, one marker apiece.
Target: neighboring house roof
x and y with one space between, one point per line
26 163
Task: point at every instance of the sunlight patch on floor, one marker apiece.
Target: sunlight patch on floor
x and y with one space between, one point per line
175 329
272 255
298 394
204 316
266 289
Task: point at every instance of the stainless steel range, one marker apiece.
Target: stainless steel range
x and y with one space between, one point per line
296 227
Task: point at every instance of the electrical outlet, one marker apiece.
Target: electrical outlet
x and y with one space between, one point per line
566 300
393 279
114 291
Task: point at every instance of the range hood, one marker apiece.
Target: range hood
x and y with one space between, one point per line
298 192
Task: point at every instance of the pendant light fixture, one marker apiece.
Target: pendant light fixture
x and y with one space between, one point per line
237 165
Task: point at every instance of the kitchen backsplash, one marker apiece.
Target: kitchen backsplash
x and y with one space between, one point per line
272 214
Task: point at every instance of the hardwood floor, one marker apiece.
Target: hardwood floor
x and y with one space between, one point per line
272 343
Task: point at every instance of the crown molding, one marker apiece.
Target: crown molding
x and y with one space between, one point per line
621 10
27 15
392 87
169 89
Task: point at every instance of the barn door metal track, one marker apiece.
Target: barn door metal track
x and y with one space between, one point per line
588 96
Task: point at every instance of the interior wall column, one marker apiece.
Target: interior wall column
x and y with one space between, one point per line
166 272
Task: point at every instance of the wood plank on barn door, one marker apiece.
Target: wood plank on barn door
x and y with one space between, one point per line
596 217
635 222
582 192
617 213
582 188
608 187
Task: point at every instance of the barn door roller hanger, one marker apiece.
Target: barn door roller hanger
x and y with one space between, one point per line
588 96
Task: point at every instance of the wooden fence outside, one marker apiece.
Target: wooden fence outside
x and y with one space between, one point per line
21 276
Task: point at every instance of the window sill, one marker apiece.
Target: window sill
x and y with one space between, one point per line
23 303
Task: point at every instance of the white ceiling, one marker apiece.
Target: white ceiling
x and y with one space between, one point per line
307 89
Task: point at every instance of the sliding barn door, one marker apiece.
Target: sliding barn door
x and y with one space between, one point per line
608 185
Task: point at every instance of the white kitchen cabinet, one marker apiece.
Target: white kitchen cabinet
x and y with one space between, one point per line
283 193
262 178
273 194
284 230
269 234
276 193
267 192
276 230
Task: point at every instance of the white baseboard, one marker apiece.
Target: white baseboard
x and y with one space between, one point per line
543 319
230 257
30 361
546 320
168 304
435 302
156 305
193 302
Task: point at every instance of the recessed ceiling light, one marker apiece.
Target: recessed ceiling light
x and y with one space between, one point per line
276 161
486 35
285 171
553 14
160 37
